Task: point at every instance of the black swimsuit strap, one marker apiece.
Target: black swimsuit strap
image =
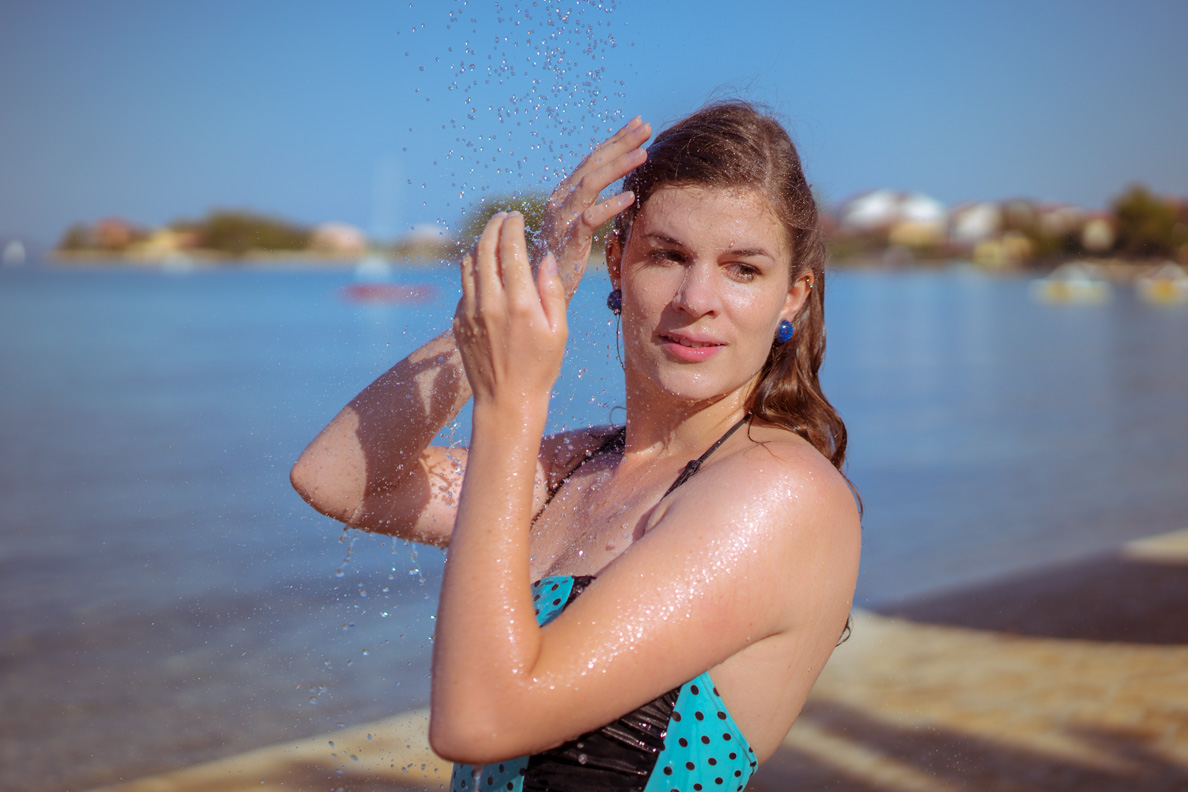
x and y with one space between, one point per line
695 464
616 441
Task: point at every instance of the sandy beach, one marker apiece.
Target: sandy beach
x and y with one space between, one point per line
1075 677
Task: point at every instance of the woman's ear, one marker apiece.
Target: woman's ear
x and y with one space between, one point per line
614 259
798 293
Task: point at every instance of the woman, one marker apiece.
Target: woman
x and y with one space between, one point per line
715 566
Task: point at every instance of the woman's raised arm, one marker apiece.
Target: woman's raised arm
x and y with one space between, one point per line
373 466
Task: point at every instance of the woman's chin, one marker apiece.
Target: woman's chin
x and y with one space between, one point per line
688 385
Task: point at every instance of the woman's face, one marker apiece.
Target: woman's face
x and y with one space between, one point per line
706 279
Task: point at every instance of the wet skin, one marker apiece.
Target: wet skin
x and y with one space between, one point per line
758 551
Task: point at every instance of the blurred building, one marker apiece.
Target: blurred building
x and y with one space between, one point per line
165 242
115 233
971 223
339 240
1099 232
424 241
900 219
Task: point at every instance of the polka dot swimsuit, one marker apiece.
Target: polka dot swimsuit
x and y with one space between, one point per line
699 747
683 741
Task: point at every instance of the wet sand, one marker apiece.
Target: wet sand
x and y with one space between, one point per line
1073 678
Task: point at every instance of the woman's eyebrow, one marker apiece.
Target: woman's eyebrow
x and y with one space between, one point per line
739 252
747 252
664 240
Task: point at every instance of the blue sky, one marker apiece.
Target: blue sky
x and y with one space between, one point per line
390 114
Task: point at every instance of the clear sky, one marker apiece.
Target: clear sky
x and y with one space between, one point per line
389 114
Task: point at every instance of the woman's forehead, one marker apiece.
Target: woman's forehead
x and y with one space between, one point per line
701 214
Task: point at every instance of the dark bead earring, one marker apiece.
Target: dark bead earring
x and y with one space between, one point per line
785 331
614 301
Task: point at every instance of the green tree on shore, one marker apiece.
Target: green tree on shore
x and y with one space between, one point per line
75 238
237 232
1147 224
531 205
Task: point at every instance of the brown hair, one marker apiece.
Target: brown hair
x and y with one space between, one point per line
734 145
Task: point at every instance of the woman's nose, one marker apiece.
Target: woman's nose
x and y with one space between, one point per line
696 295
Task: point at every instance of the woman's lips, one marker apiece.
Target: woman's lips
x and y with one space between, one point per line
692 350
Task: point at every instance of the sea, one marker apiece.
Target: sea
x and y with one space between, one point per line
166 598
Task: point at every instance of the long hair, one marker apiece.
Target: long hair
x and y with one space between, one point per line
734 145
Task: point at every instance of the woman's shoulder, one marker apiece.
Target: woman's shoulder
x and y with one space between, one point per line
776 477
778 515
776 455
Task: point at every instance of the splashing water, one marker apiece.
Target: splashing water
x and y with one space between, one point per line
534 71
348 537
527 95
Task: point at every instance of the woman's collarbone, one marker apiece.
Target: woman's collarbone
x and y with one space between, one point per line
595 519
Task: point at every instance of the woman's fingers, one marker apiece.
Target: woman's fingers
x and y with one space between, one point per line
513 260
497 273
552 294
588 188
624 130
571 216
510 326
611 161
571 204
595 216
469 301
489 278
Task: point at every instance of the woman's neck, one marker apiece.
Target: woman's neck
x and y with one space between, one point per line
660 425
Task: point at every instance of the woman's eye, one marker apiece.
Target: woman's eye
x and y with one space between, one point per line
743 272
667 255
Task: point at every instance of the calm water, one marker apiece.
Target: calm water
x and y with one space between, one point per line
166 598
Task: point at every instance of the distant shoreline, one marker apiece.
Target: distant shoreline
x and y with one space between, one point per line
296 258
214 258
1113 268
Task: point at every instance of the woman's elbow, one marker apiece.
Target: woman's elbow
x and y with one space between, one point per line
309 482
304 479
446 743
463 740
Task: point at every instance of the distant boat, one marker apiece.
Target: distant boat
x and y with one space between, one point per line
14 254
388 292
177 263
1076 282
1166 285
373 268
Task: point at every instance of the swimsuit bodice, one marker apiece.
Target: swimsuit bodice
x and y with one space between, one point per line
684 740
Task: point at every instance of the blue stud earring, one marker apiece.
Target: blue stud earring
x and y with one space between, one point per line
614 301
785 331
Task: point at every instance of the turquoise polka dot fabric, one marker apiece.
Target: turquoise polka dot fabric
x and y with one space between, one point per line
703 747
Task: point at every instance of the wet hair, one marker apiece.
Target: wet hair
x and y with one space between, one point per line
735 145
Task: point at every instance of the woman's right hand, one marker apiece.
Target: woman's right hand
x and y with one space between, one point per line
509 329
572 216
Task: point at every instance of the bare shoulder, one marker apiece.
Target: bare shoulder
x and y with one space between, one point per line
780 508
779 461
779 475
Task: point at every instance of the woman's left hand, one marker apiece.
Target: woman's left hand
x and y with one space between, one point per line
510 329
573 212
